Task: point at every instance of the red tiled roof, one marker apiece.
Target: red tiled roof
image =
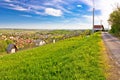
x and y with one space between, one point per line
98 26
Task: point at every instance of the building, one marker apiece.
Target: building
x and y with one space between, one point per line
98 28
39 42
11 48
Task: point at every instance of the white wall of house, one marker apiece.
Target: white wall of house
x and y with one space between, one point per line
54 41
97 28
13 50
42 43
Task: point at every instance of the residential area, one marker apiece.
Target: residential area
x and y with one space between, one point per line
33 38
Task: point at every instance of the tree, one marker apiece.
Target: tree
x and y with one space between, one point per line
115 21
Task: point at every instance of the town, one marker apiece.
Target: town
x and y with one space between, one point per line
24 39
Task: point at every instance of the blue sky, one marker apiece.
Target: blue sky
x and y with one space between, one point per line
49 14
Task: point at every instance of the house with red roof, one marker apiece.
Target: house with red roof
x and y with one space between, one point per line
98 28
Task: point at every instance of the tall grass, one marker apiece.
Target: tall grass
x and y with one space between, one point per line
77 58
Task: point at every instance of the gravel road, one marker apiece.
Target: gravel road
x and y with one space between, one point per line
113 45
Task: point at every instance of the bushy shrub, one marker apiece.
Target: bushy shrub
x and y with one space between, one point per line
4 44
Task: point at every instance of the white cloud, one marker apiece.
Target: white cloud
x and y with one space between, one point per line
90 18
88 2
39 13
36 7
63 9
54 2
79 6
57 4
59 1
86 16
17 7
20 8
26 15
53 12
29 8
105 6
7 0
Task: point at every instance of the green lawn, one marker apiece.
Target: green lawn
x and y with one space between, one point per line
71 59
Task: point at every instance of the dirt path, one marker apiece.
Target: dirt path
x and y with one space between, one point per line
113 47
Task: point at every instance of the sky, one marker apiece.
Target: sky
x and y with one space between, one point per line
54 14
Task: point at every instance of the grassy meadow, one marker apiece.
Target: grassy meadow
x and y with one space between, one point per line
77 58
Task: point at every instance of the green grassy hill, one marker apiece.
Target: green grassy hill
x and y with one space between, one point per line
71 59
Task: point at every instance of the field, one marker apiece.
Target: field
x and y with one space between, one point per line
76 58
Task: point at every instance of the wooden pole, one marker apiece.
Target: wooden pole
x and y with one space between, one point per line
93 16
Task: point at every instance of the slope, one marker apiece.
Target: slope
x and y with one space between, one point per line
77 58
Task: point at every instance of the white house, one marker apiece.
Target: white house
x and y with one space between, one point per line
11 48
39 42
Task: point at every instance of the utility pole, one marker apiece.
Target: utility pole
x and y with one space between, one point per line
93 16
100 22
